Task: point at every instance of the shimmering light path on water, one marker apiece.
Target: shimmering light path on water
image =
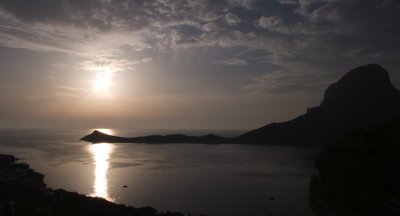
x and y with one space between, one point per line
101 155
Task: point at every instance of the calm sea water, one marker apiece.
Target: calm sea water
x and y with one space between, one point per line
191 178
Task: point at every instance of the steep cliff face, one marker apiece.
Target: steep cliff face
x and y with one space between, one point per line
363 97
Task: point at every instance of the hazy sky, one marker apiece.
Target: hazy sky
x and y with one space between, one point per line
183 63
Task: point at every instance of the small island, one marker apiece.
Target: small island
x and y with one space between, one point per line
100 137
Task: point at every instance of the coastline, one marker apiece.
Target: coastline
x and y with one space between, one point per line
23 192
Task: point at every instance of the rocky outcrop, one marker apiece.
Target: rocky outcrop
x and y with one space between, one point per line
361 98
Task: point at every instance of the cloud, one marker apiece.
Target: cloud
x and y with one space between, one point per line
232 61
269 22
285 81
208 27
322 34
77 13
232 19
248 4
287 2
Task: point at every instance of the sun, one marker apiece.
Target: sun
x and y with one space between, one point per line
103 81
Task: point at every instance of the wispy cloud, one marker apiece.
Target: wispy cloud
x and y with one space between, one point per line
232 19
232 61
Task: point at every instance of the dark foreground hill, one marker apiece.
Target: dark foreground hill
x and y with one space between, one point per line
361 98
358 175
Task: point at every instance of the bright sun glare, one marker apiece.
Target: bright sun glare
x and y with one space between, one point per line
106 130
104 80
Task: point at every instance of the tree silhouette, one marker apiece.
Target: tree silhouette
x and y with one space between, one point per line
359 175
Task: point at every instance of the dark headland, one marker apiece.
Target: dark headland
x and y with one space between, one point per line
23 192
363 97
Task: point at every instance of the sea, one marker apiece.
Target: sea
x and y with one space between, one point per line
219 180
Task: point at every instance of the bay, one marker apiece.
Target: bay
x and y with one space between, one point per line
228 179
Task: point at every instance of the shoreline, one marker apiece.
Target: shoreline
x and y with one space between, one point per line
23 192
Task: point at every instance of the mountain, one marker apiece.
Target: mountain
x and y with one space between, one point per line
361 98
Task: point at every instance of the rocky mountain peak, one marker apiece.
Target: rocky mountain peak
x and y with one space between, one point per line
361 86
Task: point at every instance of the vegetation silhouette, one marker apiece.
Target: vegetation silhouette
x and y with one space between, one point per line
359 175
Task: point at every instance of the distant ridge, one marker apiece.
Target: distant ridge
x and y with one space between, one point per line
99 137
361 98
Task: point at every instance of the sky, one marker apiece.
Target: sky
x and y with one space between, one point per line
183 64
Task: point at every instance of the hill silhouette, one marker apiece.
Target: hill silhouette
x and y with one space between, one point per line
361 98
357 175
99 137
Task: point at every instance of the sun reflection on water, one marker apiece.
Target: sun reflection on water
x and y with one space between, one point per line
101 154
